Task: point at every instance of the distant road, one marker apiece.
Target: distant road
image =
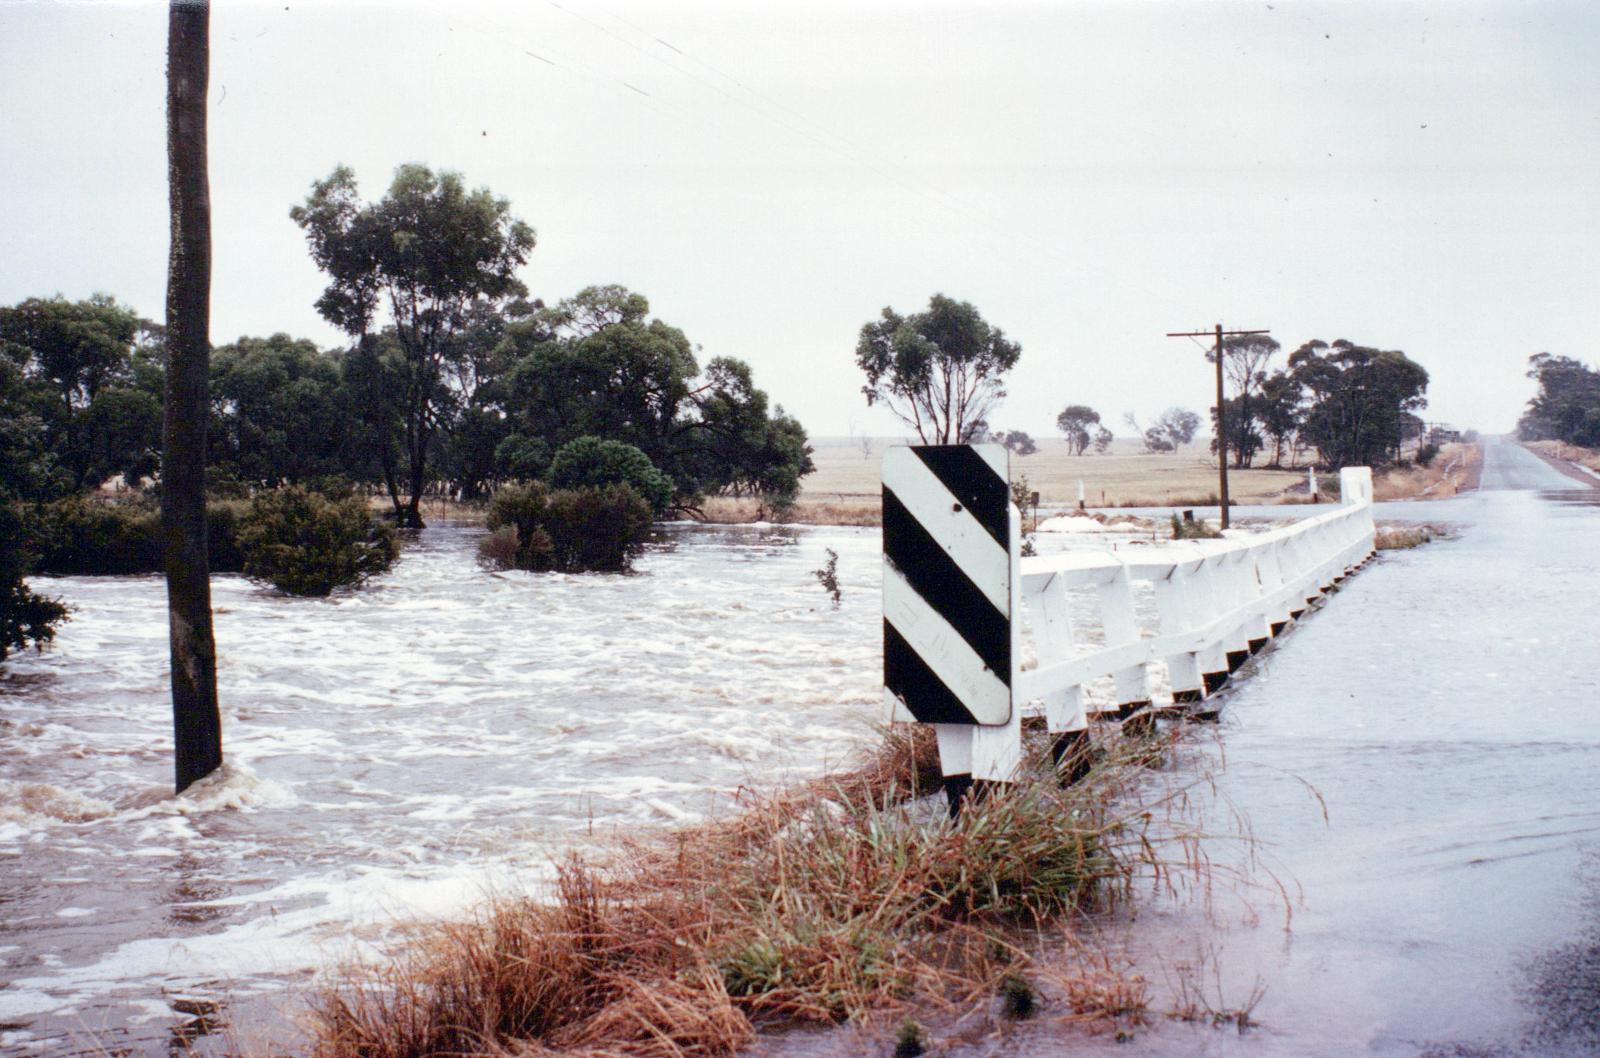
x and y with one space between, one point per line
1510 466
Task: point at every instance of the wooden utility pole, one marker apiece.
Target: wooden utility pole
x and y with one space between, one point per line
197 722
1222 413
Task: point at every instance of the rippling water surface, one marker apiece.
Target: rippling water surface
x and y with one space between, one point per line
397 752
392 753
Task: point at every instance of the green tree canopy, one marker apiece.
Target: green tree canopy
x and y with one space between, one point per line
75 346
1359 397
1277 410
1074 423
597 365
940 371
424 257
78 377
1567 405
280 412
591 462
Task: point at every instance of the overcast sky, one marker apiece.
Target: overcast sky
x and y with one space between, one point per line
1417 177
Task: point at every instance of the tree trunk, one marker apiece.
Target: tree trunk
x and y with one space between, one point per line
418 449
197 723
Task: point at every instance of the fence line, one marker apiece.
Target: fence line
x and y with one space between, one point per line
1217 602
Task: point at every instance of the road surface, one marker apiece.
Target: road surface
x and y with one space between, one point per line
1510 466
1442 706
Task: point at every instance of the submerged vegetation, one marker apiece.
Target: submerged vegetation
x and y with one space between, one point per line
1405 537
841 900
589 529
1194 529
26 618
303 543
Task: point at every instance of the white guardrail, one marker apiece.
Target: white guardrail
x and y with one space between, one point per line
1216 602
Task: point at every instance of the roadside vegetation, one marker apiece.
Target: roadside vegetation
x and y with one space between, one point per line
1568 453
1566 407
1445 471
1194 529
843 900
1406 537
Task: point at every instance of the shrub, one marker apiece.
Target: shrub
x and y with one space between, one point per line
594 462
303 543
223 554
80 535
25 618
566 530
1426 454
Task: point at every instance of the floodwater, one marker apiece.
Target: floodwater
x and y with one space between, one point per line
1442 882
399 752
394 753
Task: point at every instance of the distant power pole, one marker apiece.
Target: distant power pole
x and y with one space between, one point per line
1222 415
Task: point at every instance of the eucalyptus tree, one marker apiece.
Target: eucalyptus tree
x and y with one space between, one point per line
1245 358
1567 405
1360 398
941 371
84 384
423 263
1074 422
597 365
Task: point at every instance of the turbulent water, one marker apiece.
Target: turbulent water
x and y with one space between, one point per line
393 753
1418 764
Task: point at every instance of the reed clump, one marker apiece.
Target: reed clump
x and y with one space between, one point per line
1405 537
1194 529
841 899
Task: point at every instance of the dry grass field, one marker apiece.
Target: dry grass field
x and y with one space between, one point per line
1588 457
1454 470
1124 477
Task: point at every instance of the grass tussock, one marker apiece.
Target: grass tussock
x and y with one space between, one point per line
1405 537
1194 529
842 899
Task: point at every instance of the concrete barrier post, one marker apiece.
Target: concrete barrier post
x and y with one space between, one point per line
1208 596
1236 594
1177 617
1064 714
1120 621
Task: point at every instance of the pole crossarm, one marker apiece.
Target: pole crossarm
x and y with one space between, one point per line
1210 334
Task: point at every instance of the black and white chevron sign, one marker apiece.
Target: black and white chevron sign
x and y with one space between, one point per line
947 584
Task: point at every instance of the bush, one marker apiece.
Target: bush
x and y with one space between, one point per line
80 535
1426 454
1193 529
566 530
593 462
303 543
223 553
25 618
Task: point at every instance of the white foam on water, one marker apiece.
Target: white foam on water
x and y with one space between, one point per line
396 754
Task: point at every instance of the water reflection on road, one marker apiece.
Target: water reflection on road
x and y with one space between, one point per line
1445 707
